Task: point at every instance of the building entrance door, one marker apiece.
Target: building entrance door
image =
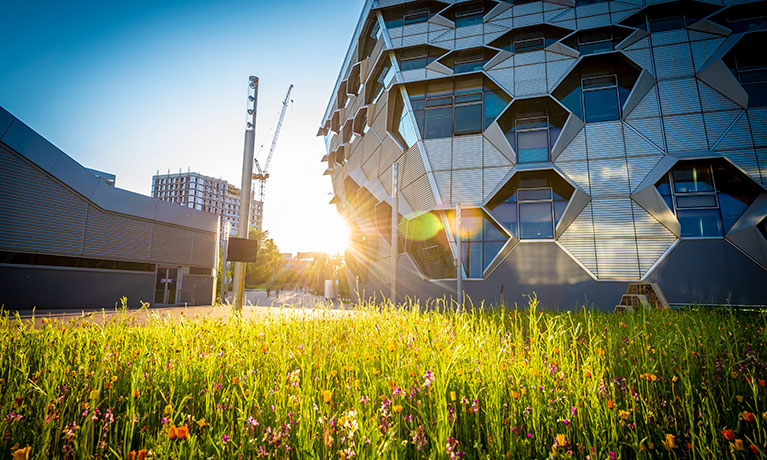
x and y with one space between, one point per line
166 286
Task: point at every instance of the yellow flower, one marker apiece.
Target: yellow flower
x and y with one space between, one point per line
623 414
739 398
22 454
333 373
326 395
674 379
202 423
397 408
670 442
168 409
739 445
94 394
452 395
356 383
561 440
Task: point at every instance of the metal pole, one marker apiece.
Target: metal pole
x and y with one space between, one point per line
227 230
394 230
245 190
459 262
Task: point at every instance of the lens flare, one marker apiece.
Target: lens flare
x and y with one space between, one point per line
420 228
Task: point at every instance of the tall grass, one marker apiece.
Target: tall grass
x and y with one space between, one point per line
389 382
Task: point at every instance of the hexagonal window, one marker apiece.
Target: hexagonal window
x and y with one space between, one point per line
596 89
531 204
481 240
469 13
446 107
417 57
670 15
530 38
748 62
426 243
599 40
411 13
707 196
745 17
383 222
379 80
532 127
468 60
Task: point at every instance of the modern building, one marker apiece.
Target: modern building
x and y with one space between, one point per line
590 144
105 177
204 193
69 239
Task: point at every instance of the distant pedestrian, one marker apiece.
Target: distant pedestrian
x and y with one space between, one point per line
268 292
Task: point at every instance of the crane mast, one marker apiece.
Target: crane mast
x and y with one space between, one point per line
263 174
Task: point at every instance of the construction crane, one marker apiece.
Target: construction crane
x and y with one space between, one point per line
262 174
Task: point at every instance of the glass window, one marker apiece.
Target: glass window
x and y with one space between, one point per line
532 146
468 14
691 177
468 61
600 98
700 223
532 44
532 126
748 63
481 240
661 24
417 15
535 221
438 123
383 77
414 58
468 119
595 41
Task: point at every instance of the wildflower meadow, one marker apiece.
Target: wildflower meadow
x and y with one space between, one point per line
387 381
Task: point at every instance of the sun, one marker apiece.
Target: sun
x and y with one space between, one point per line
335 235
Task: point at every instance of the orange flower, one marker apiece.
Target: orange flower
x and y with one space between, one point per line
739 444
739 398
172 432
610 404
182 432
397 408
754 449
762 383
588 373
142 454
22 454
234 380
135 396
729 435
670 442
601 351
326 395
748 416
514 394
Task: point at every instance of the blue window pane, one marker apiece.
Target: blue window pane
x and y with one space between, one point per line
700 222
535 194
506 214
535 221
463 67
472 259
492 249
601 105
692 178
732 208
468 21
492 233
532 146
591 48
413 64
468 119
667 199
438 123
559 209
495 102
696 201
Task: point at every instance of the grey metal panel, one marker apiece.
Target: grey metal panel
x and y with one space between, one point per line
370 167
593 9
573 126
593 21
492 178
499 60
417 28
737 136
752 215
683 133
494 28
556 70
114 236
419 194
467 151
75 175
204 252
5 121
196 290
466 186
523 9
757 119
410 40
717 123
640 167
440 153
495 135
673 61
613 217
38 213
608 177
711 99
468 31
651 201
651 250
647 107
31 145
468 42
491 156
703 50
641 57
529 80
679 96
578 201
497 10
504 77
617 16
578 239
636 145
752 243
647 226
414 167
719 77
669 37
532 57
637 39
528 20
761 157
605 140
642 87
745 160
444 184
617 258
578 172
575 149
172 245
651 129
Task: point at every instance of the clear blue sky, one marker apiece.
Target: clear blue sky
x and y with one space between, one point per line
136 87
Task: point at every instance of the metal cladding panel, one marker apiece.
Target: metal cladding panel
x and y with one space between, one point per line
491 178
390 151
530 80
761 157
33 146
651 250
673 61
385 179
440 153
617 258
593 21
468 31
414 167
491 156
467 186
204 252
578 239
410 40
747 161
370 142
75 176
651 129
669 37
683 133
172 245
529 58
711 99
613 217
504 77
738 137
703 50
609 177
444 184
757 119
617 16
679 96
636 145
468 42
575 150
5 121
370 167
417 28
528 20
641 57
578 172
582 11
394 32
383 248
37 212
419 194
556 70
605 140
640 167
413 75
490 36
494 27
467 151
523 9
442 36
717 123
113 236
647 226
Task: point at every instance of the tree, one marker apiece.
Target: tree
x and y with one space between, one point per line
269 260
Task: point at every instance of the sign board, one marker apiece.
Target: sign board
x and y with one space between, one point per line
242 250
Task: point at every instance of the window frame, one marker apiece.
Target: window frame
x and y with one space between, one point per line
715 192
615 86
545 128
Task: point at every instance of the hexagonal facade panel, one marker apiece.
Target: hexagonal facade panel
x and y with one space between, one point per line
562 130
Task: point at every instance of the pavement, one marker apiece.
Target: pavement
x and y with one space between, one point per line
257 304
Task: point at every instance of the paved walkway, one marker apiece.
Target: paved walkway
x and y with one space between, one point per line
257 304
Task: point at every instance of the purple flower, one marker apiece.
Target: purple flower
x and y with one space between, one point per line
226 439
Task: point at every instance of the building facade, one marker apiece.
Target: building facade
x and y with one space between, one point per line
590 144
70 239
206 194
